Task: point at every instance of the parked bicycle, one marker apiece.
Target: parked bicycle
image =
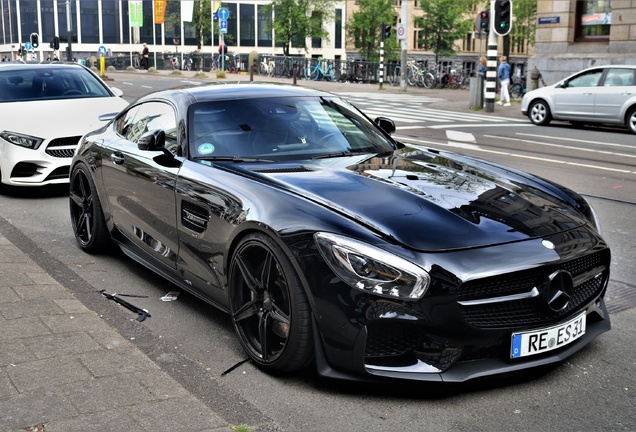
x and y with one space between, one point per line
267 67
315 71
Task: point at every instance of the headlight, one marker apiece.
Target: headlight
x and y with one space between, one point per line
21 140
372 270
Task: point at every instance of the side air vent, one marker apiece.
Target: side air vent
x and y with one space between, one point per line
194 217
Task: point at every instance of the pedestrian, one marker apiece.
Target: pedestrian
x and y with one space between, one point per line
503 73
481 72
144 57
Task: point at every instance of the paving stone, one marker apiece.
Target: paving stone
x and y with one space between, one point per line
44 374
34 292
24 410
13 279
25 267
105 421
29 308
72 306
61 344
8 295
106 393
12 352
160 385
187 414
110 339
75 322
21 328
7 389
120 361
42 279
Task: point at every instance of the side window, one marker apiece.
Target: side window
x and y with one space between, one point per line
588 79
619 78
147 117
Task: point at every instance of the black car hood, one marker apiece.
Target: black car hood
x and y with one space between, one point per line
429 201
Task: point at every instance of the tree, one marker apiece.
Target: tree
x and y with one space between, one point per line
365 25
524 25
202 21
296 20
444 22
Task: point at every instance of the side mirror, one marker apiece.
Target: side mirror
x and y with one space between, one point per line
118 92
152 140
386 124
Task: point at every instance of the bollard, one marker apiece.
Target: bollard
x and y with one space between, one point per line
534 78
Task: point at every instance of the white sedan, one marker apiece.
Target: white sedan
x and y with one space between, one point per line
600 94
44 111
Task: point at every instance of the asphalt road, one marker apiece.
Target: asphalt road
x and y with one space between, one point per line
594 390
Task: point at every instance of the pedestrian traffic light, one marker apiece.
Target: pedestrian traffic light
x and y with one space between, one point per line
483 21
35 40
503 17
386 31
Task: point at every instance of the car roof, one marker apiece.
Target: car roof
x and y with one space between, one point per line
213 92
13 66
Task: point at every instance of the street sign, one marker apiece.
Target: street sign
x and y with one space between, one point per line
102 50
223 26
401 31
28 46
224 13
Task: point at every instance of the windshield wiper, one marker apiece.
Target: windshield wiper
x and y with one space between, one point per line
341 154
233 159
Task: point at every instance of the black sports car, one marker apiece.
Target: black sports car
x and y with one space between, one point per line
332 244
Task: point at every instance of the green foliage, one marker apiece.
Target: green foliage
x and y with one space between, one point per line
444 22
296 20
524 25
202 20
365 25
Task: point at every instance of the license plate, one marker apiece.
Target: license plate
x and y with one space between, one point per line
547 339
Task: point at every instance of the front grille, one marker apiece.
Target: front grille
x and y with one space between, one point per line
63 147
526 312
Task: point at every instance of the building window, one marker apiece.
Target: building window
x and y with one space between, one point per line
338 29
110 19
264 27
593 20
248 24
48 21
90 21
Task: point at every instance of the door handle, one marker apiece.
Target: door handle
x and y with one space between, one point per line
117 158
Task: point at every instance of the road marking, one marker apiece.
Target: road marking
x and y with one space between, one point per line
451 144
578 140
561 146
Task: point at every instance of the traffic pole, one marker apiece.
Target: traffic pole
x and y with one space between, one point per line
491 71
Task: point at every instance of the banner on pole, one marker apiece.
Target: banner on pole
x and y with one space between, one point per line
136 13
160 11
187 8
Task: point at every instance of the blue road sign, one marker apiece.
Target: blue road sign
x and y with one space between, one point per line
28 46
223 13
102 50
223 26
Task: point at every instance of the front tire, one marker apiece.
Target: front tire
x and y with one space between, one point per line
631 120
269 308
539 113
311 73
87 216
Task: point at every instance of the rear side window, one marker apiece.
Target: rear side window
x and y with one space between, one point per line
619 77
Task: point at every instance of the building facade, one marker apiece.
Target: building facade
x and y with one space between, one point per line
106 23
576 34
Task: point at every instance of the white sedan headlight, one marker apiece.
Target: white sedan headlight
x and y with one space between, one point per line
372 270
21 139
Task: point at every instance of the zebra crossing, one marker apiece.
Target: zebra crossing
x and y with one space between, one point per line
409 112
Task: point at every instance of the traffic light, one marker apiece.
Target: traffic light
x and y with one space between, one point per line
55 43
386 31
483 19
35 40
503 17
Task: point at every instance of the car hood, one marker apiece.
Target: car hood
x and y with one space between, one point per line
58 118
428 201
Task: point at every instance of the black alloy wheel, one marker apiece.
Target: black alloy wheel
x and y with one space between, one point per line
87 217
269 308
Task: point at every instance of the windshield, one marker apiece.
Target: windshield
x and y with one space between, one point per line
282 129
37 83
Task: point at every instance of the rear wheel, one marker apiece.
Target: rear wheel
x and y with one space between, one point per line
269 308
631 120
539 113
516 91
311 73
429 80
87 216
